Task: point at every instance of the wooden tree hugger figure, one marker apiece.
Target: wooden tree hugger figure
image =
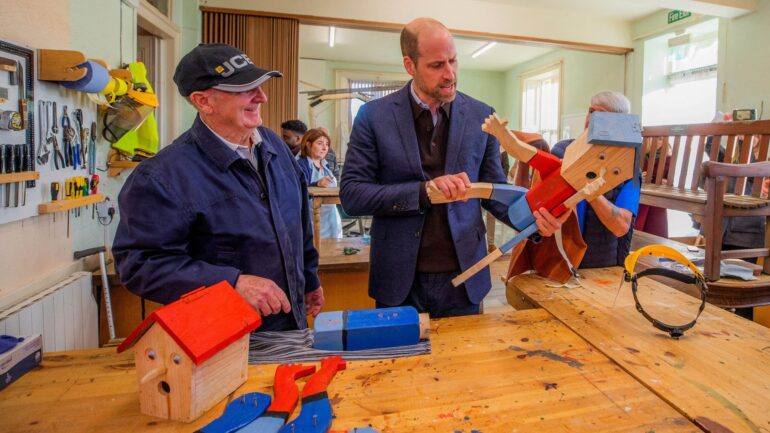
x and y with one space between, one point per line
602 157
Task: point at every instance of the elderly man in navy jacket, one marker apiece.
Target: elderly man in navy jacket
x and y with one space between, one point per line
425 131
225 201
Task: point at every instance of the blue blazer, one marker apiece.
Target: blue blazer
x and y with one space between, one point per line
383 176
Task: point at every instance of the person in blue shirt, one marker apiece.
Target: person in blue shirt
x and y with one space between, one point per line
314 147
225 201
607 222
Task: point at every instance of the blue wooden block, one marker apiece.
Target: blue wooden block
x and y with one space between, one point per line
615 129
328 331
384 327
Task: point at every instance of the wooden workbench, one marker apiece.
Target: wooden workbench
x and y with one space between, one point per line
521 371
319 197
717 375
345 278
726 292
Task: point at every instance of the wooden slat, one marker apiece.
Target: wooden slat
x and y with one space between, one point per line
662 156
654 144
720 368
670 180
744 157
695 182
64 205
716 143
685 164
756 188
730 150
728 128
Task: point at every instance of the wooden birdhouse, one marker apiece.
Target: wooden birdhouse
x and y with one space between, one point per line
192 353
609 148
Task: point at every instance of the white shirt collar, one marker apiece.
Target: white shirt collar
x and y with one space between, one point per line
417 99
256 138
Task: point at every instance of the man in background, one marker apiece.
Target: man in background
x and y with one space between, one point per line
292 132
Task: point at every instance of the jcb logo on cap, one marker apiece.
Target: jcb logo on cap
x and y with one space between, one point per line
236 62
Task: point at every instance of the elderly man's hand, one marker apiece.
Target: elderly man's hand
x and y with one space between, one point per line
314 301
548 224
453 186
263 294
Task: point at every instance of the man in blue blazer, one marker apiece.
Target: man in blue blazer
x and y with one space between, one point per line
425 131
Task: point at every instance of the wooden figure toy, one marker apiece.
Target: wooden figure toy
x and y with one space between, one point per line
192 353
603 156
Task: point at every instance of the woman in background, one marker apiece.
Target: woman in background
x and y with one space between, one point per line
313 150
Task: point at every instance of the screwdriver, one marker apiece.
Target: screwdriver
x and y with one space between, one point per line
2 161
94 188
68 190
15 156
7 168
55 195
22 166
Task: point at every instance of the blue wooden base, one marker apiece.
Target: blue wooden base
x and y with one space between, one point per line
239 412
367 329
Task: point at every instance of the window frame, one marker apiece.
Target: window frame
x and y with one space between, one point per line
558 67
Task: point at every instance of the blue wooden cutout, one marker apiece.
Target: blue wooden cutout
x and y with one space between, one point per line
264 424
238 413
315 417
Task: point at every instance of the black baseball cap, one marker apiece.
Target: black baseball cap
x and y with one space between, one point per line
218 66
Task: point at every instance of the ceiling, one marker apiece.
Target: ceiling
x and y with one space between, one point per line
376 47
618 9
629 10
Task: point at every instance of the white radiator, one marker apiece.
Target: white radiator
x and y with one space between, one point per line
65 314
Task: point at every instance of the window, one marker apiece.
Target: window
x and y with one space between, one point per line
356 103
541 102
346 111
680 76
680 87
163 6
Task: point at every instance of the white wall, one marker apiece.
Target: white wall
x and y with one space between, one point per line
744 57
36 250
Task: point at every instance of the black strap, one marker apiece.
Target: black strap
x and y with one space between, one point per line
675 331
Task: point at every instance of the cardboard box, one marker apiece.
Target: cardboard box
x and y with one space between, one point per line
21 359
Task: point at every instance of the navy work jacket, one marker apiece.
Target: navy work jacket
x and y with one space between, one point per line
196 214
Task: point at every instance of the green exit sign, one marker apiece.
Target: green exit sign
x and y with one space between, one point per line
675 15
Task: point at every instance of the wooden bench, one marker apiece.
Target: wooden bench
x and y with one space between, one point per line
696 183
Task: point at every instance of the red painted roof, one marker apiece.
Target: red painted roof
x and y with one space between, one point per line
202 322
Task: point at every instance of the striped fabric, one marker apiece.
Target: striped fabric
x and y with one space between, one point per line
280 347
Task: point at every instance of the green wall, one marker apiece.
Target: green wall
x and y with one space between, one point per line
583 74
744 57
744 71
